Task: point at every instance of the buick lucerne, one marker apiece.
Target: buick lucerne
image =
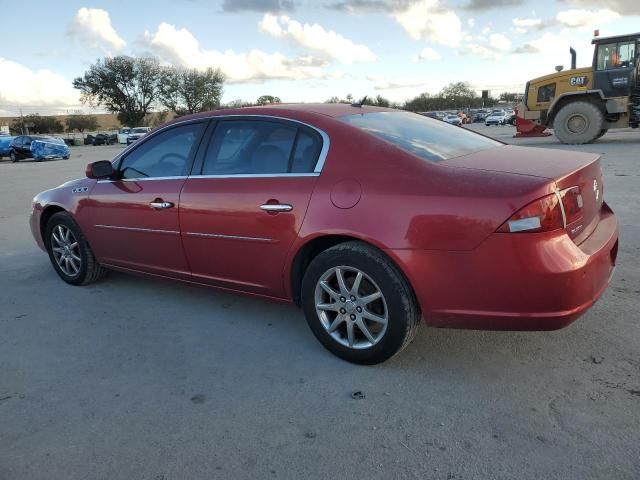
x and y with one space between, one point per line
370 219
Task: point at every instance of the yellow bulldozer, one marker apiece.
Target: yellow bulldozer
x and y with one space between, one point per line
582 104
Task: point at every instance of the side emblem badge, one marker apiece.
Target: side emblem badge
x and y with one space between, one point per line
80 190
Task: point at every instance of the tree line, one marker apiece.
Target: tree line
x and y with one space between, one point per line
133 88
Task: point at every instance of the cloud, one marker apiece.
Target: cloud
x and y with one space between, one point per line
327 43
273 6
479 5
180 47
369 6
585 18
547 44
427 54
429 20
22 86
93 26
381 83
499 42
623 7
480 51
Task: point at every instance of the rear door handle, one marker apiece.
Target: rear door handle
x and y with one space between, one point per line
159 205
276 207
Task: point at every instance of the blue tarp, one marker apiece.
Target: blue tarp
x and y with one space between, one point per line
5 143
49 148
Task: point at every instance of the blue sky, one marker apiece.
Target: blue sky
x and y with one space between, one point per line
303 50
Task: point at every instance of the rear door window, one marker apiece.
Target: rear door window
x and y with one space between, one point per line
260 147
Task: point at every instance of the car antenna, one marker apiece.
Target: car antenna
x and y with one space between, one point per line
360 103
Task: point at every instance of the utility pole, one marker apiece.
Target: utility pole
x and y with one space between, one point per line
21 122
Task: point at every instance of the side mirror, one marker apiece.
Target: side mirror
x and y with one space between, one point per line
100 169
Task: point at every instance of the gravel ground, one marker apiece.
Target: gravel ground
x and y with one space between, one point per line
134 378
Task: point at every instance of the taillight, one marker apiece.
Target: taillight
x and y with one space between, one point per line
546 213
572 203
542 215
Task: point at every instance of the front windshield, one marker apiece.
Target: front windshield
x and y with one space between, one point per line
422 136
139 130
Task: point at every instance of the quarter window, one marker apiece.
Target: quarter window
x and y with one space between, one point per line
255 147
163 155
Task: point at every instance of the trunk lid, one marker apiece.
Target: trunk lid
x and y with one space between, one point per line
565 169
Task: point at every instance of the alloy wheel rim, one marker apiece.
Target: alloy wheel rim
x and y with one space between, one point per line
351 307
66 250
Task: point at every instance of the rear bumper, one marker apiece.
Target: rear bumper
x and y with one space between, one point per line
514 281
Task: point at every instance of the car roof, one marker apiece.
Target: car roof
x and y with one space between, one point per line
333 110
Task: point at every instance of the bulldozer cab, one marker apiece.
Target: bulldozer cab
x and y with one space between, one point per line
616 66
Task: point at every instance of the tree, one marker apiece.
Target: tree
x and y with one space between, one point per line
459 94
510 97
124 85
185 91
81 122
36 124
267 99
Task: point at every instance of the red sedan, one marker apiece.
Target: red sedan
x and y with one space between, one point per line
368 218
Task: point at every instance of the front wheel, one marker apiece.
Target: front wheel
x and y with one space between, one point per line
578 122
13 157
358 304
69 251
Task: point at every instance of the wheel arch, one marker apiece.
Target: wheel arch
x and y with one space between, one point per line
48 212
594 96
318 244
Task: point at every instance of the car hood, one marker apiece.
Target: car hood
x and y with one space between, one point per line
535 162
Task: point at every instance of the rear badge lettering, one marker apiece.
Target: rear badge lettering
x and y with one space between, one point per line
595 189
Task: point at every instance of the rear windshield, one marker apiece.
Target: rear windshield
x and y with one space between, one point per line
425 137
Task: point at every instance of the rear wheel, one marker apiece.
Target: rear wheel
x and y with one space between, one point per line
358 304
69 252
578 122
602 133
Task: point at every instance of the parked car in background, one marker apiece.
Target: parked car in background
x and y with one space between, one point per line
5 144
497 117
371 219
453 119
137 133
101 139
37 147
434 115
123 133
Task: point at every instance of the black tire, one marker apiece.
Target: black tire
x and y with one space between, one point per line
13 156
402 307
578 122
602 133
90 270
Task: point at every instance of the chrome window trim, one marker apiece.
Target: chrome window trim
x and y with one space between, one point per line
136 229
322 157
229 237
257 175
143 179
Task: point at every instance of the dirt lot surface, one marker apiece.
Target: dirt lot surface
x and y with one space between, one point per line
140 379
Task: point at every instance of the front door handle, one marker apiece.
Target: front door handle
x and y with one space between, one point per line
159 204
276 207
